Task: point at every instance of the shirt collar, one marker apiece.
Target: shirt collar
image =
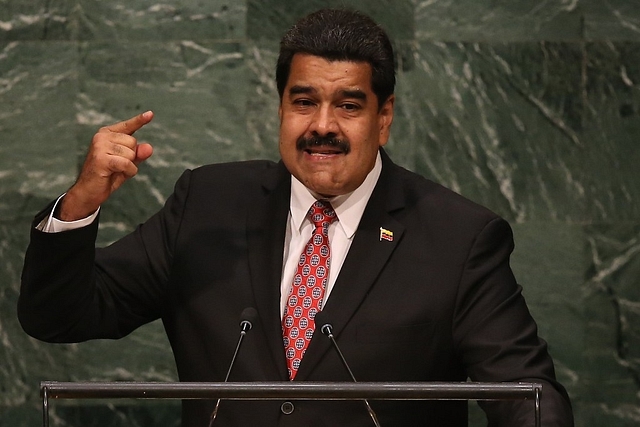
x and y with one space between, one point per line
349 207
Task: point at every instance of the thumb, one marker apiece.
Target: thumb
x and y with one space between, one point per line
143 152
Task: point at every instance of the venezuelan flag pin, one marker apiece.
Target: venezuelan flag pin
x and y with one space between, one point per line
386 235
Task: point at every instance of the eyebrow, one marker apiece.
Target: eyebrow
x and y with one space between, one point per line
298 90
346 93
354 93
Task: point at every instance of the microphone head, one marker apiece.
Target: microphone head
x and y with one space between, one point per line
247 317
320 319
327 329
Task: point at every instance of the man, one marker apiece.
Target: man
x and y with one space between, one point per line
414 279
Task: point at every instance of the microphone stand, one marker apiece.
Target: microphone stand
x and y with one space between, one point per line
327 330
245 326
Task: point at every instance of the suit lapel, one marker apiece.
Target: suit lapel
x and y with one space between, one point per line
366 258
265 234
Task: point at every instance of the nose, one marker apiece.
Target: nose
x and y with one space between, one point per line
323 122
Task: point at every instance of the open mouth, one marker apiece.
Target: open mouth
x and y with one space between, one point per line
323 151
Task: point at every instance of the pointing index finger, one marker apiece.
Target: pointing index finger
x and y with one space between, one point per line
131 125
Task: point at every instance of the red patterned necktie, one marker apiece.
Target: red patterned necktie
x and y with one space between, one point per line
309 283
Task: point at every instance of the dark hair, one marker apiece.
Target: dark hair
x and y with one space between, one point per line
340 35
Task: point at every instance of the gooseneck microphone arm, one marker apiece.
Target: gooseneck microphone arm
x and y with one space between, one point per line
327 330
245 326
247 318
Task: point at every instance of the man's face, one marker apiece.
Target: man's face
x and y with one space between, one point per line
330 124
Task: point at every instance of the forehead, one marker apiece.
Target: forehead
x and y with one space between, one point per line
323 74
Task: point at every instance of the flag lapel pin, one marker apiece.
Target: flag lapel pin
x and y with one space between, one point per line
386 235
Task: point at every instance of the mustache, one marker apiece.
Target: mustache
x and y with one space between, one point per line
323 141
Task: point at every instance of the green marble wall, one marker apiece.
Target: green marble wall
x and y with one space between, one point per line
529 107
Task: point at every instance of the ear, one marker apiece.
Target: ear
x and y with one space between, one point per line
385 118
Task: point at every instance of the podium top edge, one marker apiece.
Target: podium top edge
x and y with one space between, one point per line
283 389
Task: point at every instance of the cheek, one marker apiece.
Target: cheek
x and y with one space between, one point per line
287 135
293 121
366 140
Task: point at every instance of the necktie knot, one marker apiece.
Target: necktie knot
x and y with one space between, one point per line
321 214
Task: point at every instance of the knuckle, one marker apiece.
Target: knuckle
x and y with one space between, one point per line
125 126
99 139
114 164
117 149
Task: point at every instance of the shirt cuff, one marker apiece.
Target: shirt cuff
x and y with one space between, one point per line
50 224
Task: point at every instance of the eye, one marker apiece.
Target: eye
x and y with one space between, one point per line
303 102
349 106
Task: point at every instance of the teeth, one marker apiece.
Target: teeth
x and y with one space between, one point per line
322 153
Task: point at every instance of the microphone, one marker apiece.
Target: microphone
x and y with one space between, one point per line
327 330
247 317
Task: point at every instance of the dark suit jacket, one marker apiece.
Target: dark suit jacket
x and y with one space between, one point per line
438 303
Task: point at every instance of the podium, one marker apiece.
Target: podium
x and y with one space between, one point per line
290 390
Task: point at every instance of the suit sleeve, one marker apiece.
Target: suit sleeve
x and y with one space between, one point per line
72 292
496 337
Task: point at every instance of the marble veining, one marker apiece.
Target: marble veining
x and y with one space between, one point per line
530 108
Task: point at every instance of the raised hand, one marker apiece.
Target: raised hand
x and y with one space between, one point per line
113 157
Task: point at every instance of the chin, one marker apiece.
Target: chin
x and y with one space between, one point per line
327 183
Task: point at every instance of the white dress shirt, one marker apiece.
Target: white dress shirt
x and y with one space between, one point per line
349 209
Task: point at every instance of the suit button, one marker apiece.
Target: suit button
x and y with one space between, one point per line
287 408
